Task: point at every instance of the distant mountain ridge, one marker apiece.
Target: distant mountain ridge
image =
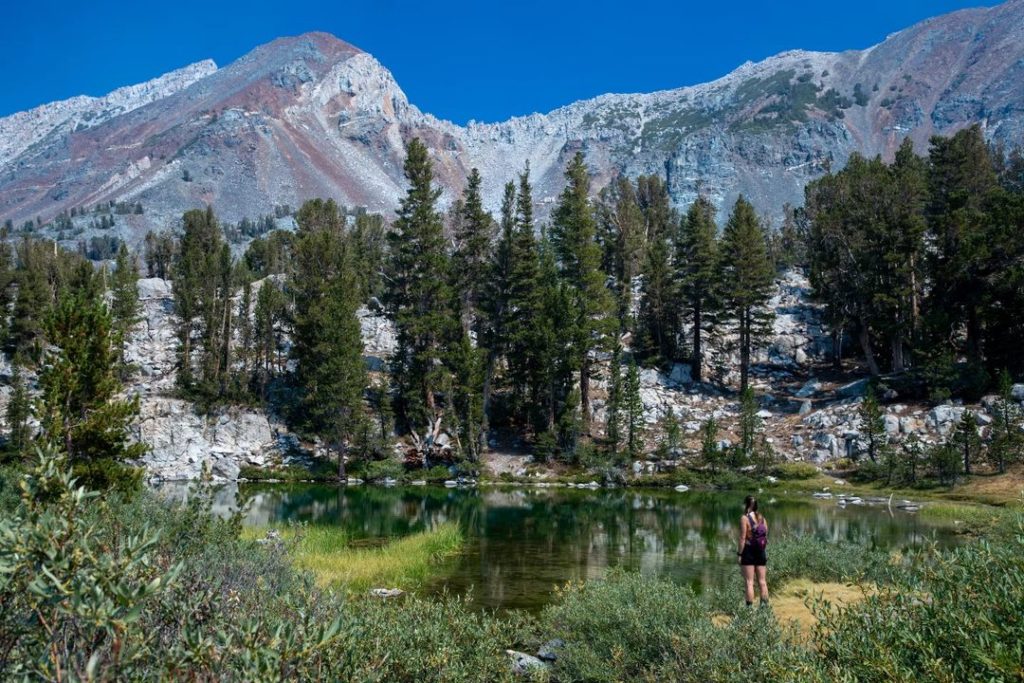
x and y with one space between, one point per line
311 116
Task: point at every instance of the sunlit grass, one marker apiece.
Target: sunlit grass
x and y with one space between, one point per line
404 563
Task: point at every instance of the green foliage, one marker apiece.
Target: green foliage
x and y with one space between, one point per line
19 409
945 462
327 343
965 438
872 421
710 453
746 278
696 265
628 628
124 295
927 624
795 471
81 413
750 426
203 287
419 297
574 236
633 409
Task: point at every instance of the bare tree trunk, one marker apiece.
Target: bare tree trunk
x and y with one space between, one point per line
837 348
869 355
585 394
485 425
698 357
897 354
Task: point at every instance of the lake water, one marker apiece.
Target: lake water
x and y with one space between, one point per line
522 542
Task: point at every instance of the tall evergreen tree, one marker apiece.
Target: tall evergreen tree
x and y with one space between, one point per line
696 267
525 304
634 411
746 281
19 409
268 320
471 259
623 233
419 298
962 180
495 303
574 238
195 287
872 426
327 342
79 383
124 294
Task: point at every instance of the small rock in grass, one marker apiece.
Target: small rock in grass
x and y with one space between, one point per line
523 663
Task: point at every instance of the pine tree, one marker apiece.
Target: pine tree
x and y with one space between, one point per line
33 301
327 342
872 425
658 328
673 432
19 409
419 298
124 304
268 318
750 426
696 266
79 382
196 278
468 363
471 258
633 407
746 281
966 439
962 179
622 231
574 237
525 302
495 303
912 451
709 451
1007 441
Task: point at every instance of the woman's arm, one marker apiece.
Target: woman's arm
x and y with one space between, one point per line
743 534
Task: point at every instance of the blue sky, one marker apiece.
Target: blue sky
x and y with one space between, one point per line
460 60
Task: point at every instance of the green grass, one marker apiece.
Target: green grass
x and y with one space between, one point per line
404 563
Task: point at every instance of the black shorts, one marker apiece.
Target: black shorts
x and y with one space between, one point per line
754 556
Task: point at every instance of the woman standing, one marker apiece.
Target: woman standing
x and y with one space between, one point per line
752 553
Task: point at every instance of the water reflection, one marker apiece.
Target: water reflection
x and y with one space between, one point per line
524 542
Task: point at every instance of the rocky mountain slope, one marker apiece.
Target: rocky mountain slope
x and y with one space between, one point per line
313 116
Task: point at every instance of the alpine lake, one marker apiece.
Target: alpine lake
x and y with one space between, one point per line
523 542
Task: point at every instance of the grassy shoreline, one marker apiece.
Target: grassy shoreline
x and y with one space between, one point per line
330 555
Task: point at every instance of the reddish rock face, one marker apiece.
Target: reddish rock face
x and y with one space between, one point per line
312 116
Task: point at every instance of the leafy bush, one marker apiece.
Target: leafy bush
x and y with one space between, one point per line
957 616
631 628
795 470
106 474
319 470
375 470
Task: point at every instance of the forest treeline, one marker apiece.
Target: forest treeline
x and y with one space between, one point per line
503 321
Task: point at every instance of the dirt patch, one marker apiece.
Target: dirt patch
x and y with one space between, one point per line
791 604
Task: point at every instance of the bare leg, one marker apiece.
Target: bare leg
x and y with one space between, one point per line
748 578
762 582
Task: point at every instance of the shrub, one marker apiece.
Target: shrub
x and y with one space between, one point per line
630 628
375 470
795 470
956 616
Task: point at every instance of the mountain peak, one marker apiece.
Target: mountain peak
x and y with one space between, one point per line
311 115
